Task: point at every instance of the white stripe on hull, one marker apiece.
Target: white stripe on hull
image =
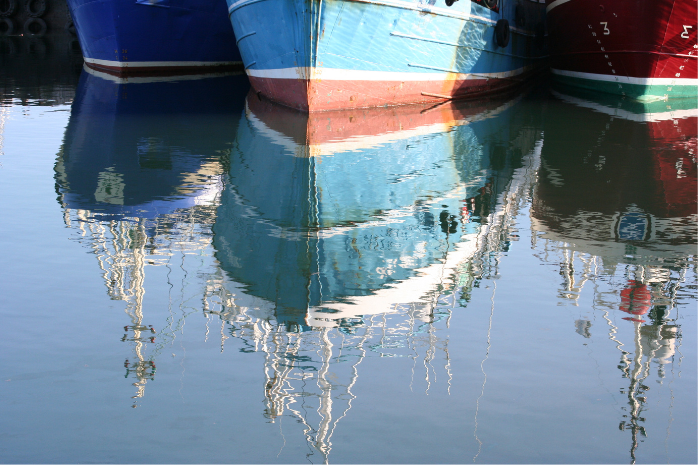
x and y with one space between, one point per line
554 4
628 115
628 79
159 64
168 78
334 74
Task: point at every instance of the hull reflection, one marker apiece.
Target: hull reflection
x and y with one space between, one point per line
361 231
623 182
142 147
337 215
616 198
139 176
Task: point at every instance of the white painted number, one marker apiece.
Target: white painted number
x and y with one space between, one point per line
606 31
684 34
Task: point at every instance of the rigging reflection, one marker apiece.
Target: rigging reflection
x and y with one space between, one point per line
616 197
139 175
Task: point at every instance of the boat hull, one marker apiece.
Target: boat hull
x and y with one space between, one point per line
150 37
643 50
317 55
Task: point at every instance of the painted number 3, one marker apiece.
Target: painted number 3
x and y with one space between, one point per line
606 31
684 34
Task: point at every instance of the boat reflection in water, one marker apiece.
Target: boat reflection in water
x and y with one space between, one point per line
358 232
329 216
143 147
139 176
616 197
363 228
319 240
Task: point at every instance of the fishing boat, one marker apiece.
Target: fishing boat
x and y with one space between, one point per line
147 37
643 49
317 55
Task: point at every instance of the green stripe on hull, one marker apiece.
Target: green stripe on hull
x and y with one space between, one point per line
640 92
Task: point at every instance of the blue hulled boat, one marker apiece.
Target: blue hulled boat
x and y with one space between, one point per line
336 54
145 37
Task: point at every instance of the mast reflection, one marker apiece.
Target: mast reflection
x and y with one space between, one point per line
616 196
139 175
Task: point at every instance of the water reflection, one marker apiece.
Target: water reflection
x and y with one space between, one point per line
374 222
334 236
139 175
319 241
616 198
41 70
337 215
144 147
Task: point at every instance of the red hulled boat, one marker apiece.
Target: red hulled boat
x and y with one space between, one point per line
637 48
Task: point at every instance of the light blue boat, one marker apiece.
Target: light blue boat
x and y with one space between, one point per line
336 54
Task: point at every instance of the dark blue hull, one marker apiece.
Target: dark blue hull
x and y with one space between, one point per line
146 37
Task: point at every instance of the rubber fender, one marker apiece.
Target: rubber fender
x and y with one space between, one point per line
37 47
35 27
35 8
74 47
7 27
8 46
540 36
7 7
70 27
520 15
491 4
501 33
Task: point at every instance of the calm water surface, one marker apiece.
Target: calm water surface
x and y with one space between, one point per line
190 273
